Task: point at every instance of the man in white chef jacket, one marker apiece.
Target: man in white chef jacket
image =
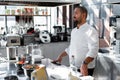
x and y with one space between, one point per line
84 43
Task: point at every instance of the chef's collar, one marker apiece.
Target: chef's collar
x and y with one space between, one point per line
82 26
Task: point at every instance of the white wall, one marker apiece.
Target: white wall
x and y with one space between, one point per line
53 18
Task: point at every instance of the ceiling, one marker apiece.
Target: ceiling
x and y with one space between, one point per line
49 3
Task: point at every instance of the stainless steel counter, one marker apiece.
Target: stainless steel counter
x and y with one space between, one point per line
54 72
9 68
107 67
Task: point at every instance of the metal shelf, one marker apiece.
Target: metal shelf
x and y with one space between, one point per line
25 15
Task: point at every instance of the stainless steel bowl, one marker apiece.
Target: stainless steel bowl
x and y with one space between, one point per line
27 71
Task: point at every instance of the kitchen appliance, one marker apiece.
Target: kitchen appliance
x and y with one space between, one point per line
11 52
59 29
44 37
115 33
59 33
28 39
13 40
115 25
36 54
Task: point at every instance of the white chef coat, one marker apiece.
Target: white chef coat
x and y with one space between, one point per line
84 42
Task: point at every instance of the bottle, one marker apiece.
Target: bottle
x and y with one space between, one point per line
72 65
36 11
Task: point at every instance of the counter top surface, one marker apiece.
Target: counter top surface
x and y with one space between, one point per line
114 57
54 72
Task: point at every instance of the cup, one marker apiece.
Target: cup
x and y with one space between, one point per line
45 61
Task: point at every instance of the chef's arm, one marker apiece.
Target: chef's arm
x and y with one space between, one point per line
59 58
63 54
88 60
84 66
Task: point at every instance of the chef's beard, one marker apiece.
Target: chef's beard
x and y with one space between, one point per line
75 23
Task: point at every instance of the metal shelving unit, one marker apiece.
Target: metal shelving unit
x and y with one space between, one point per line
27 15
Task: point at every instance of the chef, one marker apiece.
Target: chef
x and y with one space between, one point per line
84 43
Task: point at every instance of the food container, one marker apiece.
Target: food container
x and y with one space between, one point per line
12 77
28 72
28 69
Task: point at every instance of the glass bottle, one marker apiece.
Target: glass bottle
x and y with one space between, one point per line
72 65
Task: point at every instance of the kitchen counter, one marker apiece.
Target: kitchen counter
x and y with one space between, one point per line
114 57
108 52
107 66
54 72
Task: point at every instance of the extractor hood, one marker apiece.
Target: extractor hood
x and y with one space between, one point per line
49 3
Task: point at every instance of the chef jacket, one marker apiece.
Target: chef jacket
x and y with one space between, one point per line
84 43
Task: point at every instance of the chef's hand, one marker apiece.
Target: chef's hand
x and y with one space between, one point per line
59 59
84 69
